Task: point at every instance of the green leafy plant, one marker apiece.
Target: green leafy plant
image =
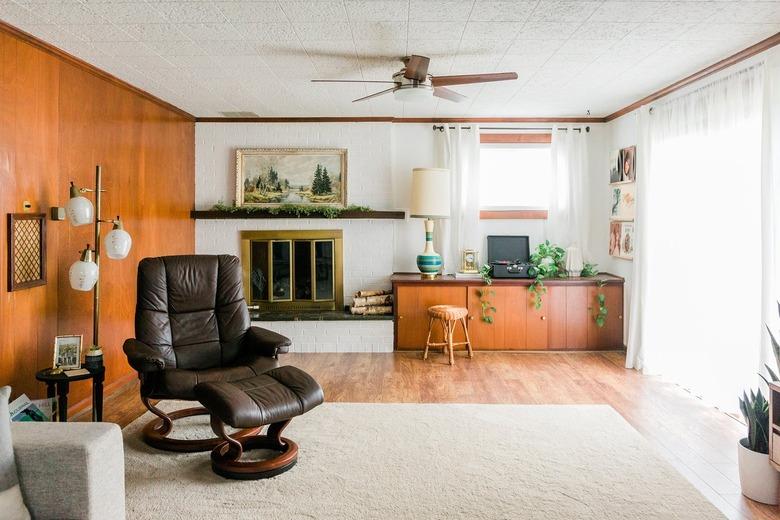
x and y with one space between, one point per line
601 299
486 272
589 270
775 350
755 410
293 210
485 306
546 262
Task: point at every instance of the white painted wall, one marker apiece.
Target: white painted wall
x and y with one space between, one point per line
380 159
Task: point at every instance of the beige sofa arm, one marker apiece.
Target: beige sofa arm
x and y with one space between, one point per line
71 470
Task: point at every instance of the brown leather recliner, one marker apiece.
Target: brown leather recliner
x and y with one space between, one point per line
192 326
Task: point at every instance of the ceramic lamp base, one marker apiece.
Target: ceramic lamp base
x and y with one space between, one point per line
94 358
429 262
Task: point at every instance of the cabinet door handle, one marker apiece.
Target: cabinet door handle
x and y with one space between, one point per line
471 317
544 318
400 317
620 317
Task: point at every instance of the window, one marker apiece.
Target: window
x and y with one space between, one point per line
514 175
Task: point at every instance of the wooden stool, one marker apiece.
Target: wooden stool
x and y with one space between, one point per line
448 316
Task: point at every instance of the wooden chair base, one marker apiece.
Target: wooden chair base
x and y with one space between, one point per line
225 458
155 433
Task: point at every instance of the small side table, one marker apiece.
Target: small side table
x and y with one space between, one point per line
59 384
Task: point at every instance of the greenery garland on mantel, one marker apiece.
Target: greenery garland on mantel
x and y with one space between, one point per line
292 210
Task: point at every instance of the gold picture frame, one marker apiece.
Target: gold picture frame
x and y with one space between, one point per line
268 177
67 352
469 261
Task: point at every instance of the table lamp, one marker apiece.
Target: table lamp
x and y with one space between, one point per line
430 200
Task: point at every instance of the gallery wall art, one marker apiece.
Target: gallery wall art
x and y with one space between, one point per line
622 178
275 176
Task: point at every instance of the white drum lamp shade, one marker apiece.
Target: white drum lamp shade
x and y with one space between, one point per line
118 242
79 209
83 274
430 193
430 200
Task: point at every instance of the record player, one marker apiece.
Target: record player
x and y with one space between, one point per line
509 256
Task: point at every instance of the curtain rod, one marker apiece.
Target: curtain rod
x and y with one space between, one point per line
513 128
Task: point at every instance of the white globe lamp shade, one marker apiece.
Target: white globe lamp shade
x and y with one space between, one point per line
118 242
83 274
79 210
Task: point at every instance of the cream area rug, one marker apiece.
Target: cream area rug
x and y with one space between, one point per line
426 461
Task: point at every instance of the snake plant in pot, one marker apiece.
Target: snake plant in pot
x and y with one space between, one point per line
757 477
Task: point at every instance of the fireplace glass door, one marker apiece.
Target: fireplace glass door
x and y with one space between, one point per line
294 270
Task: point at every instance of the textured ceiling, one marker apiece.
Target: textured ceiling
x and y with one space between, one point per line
207 57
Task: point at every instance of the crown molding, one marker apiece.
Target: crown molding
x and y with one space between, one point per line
399 120
742 55
83 65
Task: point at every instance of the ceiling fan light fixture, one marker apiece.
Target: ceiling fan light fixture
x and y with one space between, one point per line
413 94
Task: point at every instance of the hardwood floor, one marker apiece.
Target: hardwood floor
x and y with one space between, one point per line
698 440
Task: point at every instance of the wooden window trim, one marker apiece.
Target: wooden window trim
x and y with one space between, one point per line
513 214
514 138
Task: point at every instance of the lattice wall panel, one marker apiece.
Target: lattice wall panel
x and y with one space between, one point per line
27 250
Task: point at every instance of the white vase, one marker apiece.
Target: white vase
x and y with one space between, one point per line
757 477
574 262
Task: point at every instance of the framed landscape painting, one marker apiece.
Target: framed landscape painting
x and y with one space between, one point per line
274 176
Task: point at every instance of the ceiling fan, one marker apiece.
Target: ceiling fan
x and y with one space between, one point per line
413 83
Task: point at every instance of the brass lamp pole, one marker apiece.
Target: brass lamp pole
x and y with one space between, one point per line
84 274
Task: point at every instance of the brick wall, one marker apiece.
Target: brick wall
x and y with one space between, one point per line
369 245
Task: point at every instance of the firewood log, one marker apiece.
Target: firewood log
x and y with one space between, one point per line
385 299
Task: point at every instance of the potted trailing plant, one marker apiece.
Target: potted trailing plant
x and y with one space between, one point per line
757 477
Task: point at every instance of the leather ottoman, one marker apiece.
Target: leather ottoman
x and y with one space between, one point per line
272 398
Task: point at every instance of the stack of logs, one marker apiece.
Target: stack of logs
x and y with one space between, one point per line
372 302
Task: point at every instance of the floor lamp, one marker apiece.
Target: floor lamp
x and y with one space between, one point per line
84 274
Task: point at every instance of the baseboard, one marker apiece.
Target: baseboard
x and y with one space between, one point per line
81 407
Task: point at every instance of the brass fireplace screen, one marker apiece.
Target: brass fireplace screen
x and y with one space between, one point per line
293 270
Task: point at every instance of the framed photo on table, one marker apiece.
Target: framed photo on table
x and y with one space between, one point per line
67 352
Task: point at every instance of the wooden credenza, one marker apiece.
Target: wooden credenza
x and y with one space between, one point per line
566 320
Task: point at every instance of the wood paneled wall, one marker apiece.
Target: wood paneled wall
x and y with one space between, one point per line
57 121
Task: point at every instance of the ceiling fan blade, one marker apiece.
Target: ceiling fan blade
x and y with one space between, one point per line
350 81
375 94
444 81
448 94
417 68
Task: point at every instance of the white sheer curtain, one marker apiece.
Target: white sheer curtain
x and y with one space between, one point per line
567 220
770 212
697 301
459 152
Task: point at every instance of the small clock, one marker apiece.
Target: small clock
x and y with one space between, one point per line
469 262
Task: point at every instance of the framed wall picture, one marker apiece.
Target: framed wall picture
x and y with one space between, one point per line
621 239
623 201
26 250
628 163
275 176
622 165
67 352
615 167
